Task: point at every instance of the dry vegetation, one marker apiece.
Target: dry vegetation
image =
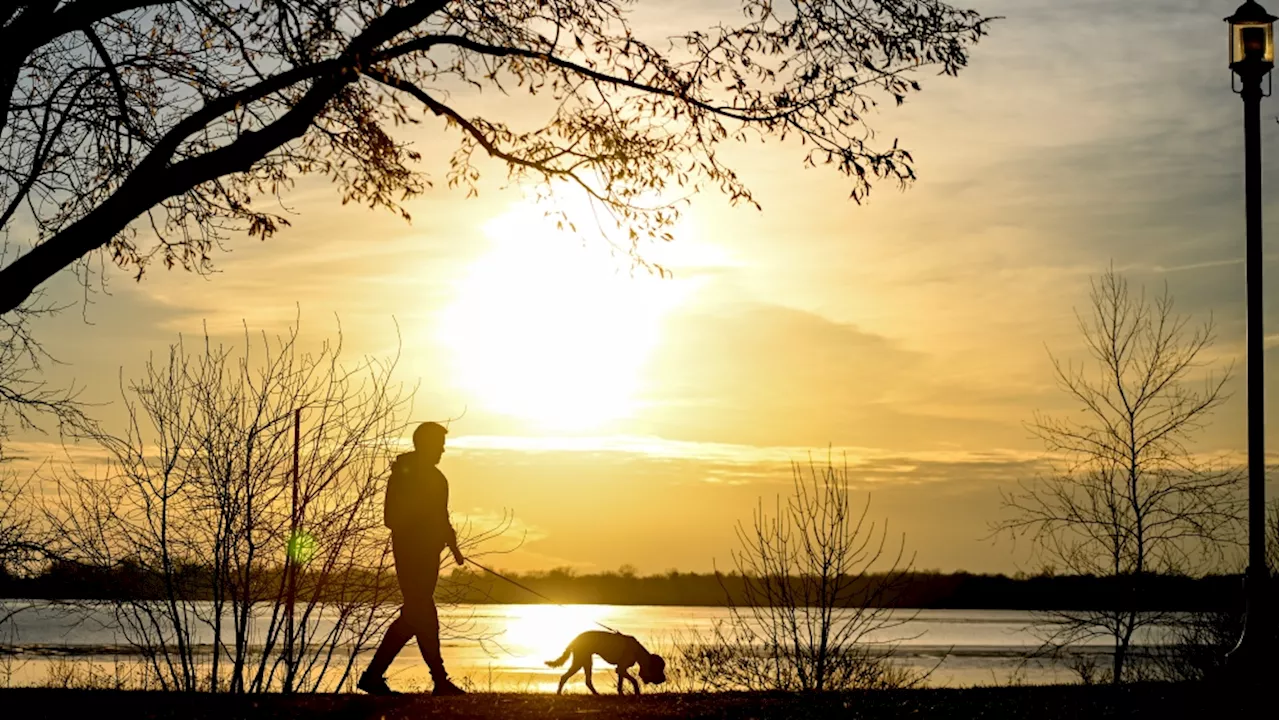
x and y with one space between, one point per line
1166 702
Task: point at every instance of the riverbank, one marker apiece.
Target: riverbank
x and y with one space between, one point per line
1156 701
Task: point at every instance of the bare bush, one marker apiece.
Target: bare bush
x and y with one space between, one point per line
813 615
66 674
24 545
25 399
1201 641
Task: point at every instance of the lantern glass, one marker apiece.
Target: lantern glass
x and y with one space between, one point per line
1252 42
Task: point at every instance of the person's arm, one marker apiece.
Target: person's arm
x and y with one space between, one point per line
451 537
392 504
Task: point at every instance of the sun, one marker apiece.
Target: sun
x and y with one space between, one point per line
550 329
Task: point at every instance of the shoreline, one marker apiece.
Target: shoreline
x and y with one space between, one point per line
917 590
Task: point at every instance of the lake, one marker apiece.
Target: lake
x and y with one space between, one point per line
962 647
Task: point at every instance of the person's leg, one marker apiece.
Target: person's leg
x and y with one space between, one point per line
420 608
426 626
419 589
402 629
398 634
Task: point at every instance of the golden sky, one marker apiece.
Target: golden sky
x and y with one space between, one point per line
634 419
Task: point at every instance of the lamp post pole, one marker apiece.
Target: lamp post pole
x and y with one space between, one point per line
1254 657
1256 577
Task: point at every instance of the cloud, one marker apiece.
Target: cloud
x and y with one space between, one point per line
659 505
764 374
657 448
30 456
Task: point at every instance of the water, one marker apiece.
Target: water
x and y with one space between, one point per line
961 647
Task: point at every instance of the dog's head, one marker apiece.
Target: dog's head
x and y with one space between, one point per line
653 670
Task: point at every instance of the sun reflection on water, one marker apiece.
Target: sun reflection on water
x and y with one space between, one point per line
537 633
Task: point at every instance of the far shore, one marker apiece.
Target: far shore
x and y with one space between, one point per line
915 590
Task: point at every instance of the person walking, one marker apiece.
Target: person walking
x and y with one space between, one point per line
416 510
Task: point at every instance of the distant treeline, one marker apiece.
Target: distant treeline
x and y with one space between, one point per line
958 590
933 590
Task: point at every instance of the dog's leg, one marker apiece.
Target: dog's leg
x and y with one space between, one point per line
586 666
573 668
624 675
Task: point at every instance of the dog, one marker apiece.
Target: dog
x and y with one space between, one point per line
612 647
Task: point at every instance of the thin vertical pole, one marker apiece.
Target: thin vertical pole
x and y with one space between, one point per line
1255 654
291 565
1252 96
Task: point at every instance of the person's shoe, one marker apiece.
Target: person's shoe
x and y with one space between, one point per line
375 685
445 687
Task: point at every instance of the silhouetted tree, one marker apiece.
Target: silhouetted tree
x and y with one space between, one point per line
148 128
19 540
1128 498
812 614
25 397
23 542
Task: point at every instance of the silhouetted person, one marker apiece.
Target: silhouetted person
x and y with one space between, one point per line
417 511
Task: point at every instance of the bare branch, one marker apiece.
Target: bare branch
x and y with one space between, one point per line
189 109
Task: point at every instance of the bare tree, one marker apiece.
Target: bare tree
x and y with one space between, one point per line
22 544
247 490
1128 497
24 399
149 128
814 612
17 532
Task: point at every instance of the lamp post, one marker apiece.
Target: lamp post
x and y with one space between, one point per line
1252 57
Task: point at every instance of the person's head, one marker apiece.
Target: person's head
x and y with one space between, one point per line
428 439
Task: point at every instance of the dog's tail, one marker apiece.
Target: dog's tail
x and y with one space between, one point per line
560 660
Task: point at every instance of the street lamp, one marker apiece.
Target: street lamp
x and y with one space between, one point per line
1252 47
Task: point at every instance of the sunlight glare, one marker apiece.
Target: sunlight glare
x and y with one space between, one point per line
552 331
537 633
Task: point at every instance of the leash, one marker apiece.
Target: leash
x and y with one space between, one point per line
528 589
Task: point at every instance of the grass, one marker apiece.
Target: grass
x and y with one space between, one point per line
1162 701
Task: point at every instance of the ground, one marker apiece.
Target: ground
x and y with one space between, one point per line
1162 701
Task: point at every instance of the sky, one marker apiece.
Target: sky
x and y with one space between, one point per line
627 419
